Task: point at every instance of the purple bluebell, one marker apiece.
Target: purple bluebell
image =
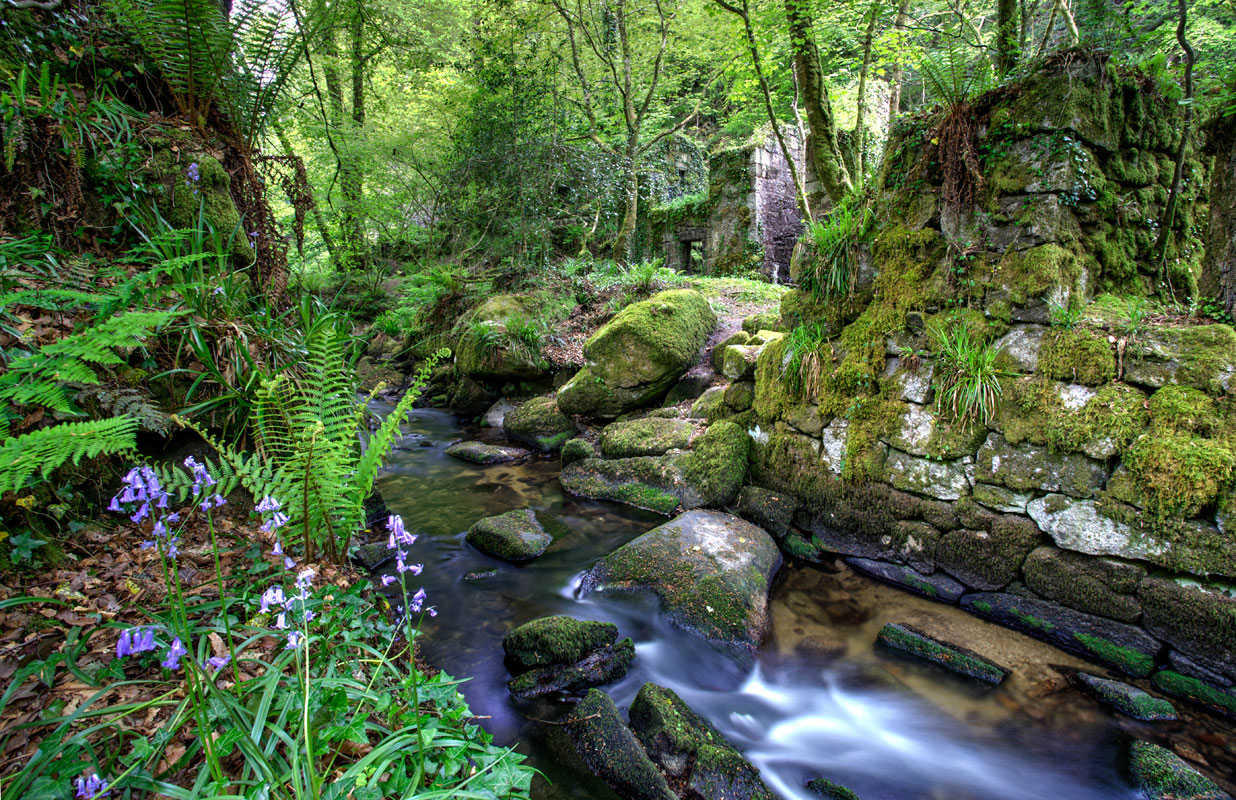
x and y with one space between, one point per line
219 662
281 621
418 600
387 580
176 652
278 551
294 640
288 563
193 172
90 787
272 597
276 521
268 504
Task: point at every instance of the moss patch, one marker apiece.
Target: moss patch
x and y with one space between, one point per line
1076 355
556 640
1163 775
644 437
955 659
1179 475
1222 701
1131 661
715 468
539 423
576 450
513 536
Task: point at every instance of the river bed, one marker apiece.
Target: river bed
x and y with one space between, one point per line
818 699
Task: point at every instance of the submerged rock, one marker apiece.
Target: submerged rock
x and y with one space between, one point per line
831 791
611 751
686 746
1218 700
513 536
485 454
1128 700
953 658
540 424
1163 775
1125 647
937 586
711 570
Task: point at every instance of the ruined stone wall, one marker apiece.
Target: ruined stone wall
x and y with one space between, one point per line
1095 507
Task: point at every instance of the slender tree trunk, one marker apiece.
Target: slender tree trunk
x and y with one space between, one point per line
821 143
896 72
804 206
1063 7
624 242
319 221
1007 27
860 117
351 177
1051 23
1173 198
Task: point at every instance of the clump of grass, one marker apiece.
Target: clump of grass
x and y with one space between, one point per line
1136 307
488 336
1063 315
834 267
526 332
967 377
805 364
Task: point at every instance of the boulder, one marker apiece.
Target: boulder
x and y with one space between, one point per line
1162 775
738 361
1195 618
496 414
513 536
740 395
1128 700
487 350
372 373
772 511
717 357
635 357
611 751
576 450
687 747
936 587
1200 356
469 398
1125 647
911 641
372 556
710 405
712 572
831 791
1026 467
1103 586
485 454
1021 347
540 424
561 654
645 437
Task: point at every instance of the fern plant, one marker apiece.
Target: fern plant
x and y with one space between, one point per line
308 444
956 73
42 451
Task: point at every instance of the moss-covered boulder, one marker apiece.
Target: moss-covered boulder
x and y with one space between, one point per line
487 342
773 511
712 572
711 406
687 747
825 788
1162 775
1103 586
1128 700
1195 618
469 398
635 357
740 395
561 654
539 423
911 641
513 536
645 437
612 752
189 183
577 450
989 558
485 454
1125 647
717 357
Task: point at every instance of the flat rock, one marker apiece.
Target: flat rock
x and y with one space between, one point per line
1096 585
603 665
1029 467
937 586
372 556
645 437
914 642
612 752
711 570
1128 700
1125 647
556 640
1221 701
1163 775
513 536
486 454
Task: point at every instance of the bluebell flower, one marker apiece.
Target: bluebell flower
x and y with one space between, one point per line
418 600
90 787
272 597
288 563
193 172
294 640
219 662
176 652
281 621
387 580
276 521
278 551
268 504
135 640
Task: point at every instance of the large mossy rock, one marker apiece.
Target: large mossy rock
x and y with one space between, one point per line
513 536
182 200
485 454
539 423
612 752
708 476
561 654
653 436
686 747
486 350
639 354
1162 775
712 572
1193 617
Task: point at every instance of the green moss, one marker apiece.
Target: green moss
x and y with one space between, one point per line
718 352
1032 411
556 640
513 536
1076 355
983 606
1183 409
1222 701
765 320
1131 661
717 463
539 423
611 751
916 643
1126 699
664 332
576 450
1180 474
740 395
1163 775
644 437
1031 621
831 791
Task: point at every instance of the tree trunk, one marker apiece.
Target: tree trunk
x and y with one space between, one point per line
351 175
821 143
860 116
624 242
896 72
1007 36
1173 197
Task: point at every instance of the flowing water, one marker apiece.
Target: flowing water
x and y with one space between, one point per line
817 700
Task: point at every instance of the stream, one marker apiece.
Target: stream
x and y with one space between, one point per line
816 700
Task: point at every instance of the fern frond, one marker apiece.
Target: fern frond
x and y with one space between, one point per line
44 450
